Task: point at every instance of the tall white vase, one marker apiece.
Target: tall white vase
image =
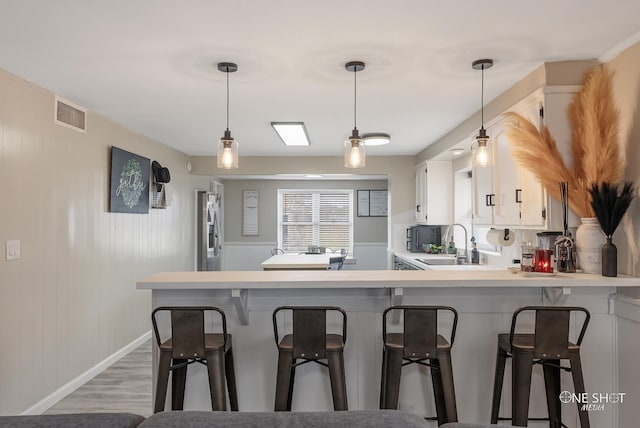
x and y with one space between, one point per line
589 241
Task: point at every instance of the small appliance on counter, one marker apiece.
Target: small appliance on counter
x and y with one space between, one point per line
420 235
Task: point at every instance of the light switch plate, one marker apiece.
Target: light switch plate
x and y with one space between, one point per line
13 250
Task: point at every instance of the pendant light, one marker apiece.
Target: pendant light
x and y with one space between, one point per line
354 156
227 146
481 156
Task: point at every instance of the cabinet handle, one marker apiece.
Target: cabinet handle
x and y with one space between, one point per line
417 208
487 200
518 196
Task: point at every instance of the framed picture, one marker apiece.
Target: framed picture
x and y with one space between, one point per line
250 208
130 178
372 203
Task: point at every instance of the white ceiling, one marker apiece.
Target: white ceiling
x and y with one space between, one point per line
151 64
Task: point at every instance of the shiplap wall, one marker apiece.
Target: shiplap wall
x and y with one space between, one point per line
70 301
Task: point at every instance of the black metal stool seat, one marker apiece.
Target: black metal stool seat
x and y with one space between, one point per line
419 343
310 342
212 342
190 344
548 346
396 341
525 342
333 343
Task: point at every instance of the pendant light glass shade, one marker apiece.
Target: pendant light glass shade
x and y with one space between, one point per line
227 146
354 155
227 152
481 154
480 150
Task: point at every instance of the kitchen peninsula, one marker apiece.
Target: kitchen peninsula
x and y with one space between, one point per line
485 300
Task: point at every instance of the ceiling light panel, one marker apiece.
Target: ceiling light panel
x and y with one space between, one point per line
292 133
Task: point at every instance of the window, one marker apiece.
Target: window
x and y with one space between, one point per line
315 217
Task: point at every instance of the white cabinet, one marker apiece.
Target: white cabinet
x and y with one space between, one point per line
506 194
434 192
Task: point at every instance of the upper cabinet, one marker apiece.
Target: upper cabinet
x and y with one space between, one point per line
505 194
434 193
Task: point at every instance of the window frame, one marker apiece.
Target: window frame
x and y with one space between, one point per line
315 215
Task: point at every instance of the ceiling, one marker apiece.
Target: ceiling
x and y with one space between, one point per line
151 64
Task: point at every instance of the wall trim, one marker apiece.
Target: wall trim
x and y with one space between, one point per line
617 49
273 244
47 402
249 243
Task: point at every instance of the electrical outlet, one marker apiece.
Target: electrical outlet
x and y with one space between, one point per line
13 250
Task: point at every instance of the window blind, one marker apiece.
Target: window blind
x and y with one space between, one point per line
315 217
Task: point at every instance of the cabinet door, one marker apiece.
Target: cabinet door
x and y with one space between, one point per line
506 186
483 196
421 193
439 192
532 197
531 194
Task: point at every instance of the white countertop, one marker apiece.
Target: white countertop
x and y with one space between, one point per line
374 279
298 261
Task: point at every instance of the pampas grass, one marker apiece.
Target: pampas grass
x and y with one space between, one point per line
594 143
594 124
609 205
537 152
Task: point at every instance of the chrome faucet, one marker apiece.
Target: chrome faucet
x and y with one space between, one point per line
465 256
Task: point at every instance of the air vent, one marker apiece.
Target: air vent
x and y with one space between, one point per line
70 115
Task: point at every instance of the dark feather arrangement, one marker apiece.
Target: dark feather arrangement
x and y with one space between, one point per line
609 205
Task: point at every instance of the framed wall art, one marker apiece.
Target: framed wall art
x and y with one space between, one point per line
129 182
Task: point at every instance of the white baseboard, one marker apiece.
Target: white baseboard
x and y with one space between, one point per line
76 383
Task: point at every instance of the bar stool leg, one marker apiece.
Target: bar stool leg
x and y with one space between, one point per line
283 380
335 360
292 379
578 385
446 373
162 381
383 376
552 389
230 372
521 387
501 360
393 371
178 383
215 368
438 391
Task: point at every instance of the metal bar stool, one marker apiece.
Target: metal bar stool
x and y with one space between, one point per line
309 342
190 343
546 346
419 343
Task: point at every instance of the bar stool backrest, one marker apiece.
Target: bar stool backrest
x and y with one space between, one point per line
421 329
187 329
551 335
310 329
309 333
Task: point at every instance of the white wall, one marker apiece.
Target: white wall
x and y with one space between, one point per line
70 301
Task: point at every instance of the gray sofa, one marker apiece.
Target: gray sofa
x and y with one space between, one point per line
351 419
193 419
81 420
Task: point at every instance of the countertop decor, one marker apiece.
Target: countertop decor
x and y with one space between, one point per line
594 144
610 205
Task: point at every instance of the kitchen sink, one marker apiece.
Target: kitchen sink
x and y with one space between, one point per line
439 261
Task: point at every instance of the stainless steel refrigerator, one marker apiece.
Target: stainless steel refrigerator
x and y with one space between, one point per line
209 231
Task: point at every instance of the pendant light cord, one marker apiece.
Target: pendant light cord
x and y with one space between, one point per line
227 98
482 98
355 96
